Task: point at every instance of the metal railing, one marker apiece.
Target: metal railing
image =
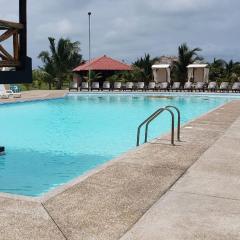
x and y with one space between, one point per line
154 116
179 120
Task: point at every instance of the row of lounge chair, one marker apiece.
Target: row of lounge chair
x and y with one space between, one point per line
5 94
152 86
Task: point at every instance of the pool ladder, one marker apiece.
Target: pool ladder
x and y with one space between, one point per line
154 116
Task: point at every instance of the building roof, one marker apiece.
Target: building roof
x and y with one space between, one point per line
157 66
167 59
103 63
197 65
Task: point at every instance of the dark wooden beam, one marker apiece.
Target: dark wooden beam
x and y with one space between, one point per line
8 34
5 53
22 65
7 63
16 47
7 25
23 32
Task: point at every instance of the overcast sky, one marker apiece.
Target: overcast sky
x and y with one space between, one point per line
126 29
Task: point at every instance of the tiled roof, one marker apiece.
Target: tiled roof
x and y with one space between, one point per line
103 63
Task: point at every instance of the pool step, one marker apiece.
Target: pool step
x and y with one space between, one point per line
2 150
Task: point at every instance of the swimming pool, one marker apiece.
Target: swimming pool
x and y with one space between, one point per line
49 143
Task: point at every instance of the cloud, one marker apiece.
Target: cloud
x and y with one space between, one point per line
127 29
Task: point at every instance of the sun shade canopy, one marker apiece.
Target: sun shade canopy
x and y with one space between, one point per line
158 66
103 63
197 65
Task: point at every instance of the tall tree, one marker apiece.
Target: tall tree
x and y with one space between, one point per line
39 77
221 70
145 65
186 56
60 60
231 70
217 70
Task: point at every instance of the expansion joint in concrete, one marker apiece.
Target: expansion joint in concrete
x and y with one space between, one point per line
65 237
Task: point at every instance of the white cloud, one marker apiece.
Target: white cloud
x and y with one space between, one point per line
127 29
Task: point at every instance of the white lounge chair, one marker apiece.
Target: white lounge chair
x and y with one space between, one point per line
129 86
117 86
151 86
84 86
73 86
95 86
176 86
224 86
4 95
140 86
200 86
212 86
163 86
188 86
236 87
7 93
106 86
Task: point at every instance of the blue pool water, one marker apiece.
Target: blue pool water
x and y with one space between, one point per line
48 143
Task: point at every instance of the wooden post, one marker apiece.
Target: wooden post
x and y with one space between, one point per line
23 32
19 59
16 47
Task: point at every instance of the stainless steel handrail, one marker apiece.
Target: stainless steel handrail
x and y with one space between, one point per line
179 120
145 121
155 115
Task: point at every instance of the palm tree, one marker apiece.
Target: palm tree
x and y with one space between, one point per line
61 59
40 76
231 70
217 70
145 65
236 70
186 56
221 70
94 76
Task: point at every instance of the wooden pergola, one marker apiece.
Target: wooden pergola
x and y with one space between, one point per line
17 59
11 29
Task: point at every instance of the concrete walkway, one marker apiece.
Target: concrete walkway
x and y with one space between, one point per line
146 193
204 203
36 95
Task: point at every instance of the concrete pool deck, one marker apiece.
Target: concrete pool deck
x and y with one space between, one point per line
157 191
36 95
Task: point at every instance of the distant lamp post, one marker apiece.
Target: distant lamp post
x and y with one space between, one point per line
89 45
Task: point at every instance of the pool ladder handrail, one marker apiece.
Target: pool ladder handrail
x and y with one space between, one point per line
154 116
